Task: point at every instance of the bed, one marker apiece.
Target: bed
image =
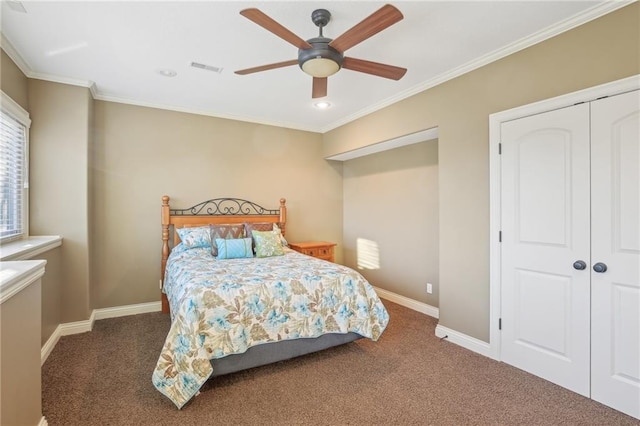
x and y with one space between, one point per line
241 298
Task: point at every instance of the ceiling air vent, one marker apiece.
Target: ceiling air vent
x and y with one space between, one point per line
206 67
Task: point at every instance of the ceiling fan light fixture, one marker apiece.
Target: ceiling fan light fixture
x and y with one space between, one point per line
321 57
320 60
320 67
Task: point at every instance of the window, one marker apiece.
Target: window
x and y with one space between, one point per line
14 153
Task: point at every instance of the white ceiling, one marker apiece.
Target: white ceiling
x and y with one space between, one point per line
117 47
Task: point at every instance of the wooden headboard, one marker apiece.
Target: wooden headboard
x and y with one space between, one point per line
214 211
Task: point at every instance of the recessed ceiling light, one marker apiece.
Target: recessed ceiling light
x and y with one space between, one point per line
166 72
322 105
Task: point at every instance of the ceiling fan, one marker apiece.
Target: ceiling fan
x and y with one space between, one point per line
321 57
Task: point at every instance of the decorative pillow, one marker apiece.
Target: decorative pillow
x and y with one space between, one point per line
267 244
278 231
225 231
234 248
257 226
195 237
249 227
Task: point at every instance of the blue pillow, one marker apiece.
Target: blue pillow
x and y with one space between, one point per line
195 237
234 248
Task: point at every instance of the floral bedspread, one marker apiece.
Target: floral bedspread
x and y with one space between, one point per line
223 307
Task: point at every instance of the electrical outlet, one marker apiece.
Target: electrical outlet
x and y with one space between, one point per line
429 288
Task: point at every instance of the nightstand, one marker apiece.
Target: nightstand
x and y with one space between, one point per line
318 249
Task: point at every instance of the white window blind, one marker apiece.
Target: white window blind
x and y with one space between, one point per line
13 173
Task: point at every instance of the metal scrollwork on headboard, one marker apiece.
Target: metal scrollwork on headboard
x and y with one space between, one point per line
224 207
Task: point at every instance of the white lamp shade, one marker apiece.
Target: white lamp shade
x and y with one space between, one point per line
320 67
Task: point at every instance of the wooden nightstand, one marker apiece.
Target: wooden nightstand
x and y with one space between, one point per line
318 249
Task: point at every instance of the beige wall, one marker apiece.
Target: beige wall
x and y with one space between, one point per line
12 81
603 50
141 154
15 84
20 379
391 200
52 302
59 140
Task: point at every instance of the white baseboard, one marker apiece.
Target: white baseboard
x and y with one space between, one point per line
123 311
43 422
408 303
77 327
467 342
50 344
65 329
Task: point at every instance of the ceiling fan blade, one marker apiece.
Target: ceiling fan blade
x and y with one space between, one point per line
383 18
319 87
267 67
374 68
269 24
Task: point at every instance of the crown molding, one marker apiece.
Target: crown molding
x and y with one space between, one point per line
538 37
293 126
23 65
64 80
94 90
14 55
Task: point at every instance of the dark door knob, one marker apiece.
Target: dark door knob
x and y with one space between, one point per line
600 267
579 265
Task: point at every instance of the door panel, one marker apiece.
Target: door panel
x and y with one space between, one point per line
545 229
615 294
543 198
536 292
625 177
624 362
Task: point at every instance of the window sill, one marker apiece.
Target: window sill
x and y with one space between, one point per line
29 247
16 276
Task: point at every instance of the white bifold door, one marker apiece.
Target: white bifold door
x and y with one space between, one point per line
570 251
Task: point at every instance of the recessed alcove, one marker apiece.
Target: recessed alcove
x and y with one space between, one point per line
390 214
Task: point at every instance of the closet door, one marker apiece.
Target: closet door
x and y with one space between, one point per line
615 293
545 231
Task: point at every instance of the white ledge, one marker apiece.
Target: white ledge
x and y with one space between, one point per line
29 247
15 276
411 138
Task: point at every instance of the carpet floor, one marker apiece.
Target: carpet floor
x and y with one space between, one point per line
409 376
